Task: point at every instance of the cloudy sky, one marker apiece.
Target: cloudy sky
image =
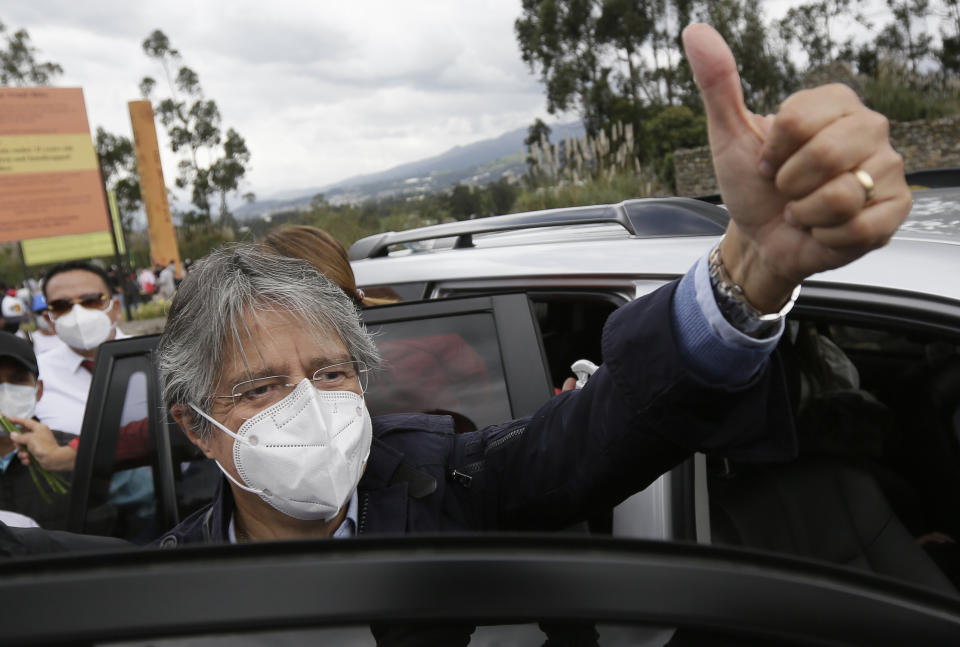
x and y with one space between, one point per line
320 89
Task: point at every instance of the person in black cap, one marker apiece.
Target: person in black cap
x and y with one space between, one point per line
20 389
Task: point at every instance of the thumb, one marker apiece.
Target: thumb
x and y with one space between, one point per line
715 72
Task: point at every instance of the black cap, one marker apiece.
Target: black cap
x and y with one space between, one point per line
19 349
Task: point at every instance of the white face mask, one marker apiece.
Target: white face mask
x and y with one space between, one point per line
18 400
303 455
83 328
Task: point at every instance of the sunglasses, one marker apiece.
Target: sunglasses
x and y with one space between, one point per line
59 307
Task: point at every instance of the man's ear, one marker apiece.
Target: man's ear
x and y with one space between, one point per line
46 315
187 420
39 389
115 312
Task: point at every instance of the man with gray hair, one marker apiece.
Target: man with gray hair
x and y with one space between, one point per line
264 361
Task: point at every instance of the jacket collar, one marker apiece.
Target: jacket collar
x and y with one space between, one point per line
383 504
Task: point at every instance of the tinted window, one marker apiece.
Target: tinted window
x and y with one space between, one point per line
876 484
449 365
122 501
136 473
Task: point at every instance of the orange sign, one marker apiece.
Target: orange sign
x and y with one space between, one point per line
50 181
153 190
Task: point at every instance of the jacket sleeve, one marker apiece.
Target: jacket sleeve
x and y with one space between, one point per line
640 414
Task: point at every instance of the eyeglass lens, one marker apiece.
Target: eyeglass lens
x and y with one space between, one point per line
250 397
89 301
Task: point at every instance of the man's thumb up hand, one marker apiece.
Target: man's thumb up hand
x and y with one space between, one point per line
790 181
716 75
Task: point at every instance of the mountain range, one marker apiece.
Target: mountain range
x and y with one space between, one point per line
476 164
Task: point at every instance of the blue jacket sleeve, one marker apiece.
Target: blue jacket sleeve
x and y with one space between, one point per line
643 412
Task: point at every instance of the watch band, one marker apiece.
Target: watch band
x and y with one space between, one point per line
734 306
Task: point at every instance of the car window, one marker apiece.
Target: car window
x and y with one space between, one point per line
876 482
136 475
477 359
449 366
571 326
118 483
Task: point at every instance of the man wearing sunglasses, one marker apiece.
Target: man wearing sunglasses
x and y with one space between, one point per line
84 314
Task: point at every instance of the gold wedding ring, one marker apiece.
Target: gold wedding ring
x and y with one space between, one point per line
866 181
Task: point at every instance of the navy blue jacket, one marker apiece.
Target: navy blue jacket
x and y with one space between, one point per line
640 414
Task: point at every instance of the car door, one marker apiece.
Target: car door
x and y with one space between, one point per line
875 382
478 359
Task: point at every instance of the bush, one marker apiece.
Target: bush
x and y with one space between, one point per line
151 309
603 190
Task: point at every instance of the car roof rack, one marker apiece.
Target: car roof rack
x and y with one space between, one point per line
935 178
645 218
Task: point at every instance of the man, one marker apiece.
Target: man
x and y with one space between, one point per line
146 280
263 361
166 284
20 389
12 312
82 311
44 338
84 314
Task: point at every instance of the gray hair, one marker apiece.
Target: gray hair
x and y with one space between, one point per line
210 310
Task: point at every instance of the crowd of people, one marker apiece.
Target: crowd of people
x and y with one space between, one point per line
52 328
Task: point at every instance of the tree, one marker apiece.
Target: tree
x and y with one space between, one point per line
949 52
227 172
813 27
673 128
619 62
588 54
905 35
194 127
502 194
464 202
18 62
767 74
537 133
118 165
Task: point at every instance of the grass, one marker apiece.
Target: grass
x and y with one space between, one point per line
606 189
151 310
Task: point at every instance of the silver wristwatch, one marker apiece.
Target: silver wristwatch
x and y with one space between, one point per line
733 304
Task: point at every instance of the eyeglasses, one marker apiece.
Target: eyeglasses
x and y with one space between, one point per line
250 397
59 307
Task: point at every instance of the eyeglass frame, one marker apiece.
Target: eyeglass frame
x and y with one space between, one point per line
362 378
104 300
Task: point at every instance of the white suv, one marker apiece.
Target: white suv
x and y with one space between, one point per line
853 542
872 356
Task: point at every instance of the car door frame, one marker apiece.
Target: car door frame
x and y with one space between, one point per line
524 367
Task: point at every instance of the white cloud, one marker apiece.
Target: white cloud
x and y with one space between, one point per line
320 90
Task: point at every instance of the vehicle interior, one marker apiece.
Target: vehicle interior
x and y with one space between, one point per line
876 481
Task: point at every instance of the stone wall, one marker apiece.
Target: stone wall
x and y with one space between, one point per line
923 144
694 170
927 144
